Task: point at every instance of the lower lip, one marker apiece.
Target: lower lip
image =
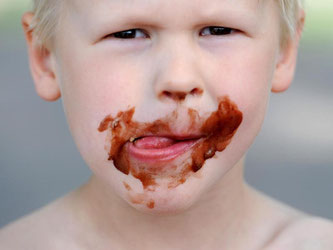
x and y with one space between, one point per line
159 149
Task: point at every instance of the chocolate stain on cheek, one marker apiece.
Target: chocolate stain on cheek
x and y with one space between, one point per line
217 131
220 127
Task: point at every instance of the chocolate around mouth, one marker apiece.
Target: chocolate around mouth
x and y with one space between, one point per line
217 131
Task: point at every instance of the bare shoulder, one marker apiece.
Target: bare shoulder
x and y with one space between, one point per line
309 233
45 228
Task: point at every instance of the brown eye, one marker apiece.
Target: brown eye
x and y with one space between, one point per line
128 34
216 31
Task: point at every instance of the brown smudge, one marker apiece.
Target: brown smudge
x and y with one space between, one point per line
128 187
194 118
151 204
220 127
180 178
217 131
147 179
137 198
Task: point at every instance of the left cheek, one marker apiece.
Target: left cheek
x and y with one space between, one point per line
253 73
248 82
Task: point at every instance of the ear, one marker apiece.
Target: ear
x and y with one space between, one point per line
41 66
285 67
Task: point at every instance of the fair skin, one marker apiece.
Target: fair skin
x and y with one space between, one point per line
97 75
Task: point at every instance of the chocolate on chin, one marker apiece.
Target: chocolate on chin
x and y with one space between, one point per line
216 133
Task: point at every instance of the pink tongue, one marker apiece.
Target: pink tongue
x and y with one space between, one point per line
154 142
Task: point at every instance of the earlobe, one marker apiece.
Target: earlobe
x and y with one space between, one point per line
41 65
286 64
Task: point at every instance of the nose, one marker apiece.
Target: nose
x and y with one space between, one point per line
178 76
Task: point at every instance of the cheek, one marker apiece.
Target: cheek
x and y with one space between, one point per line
244 73
99 85
93 87
255 91
246 77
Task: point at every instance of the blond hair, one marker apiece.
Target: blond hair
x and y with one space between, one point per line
46 17
47 13
289 10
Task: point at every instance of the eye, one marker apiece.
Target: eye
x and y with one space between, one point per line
216 31
128 34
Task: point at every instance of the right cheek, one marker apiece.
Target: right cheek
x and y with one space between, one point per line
87 100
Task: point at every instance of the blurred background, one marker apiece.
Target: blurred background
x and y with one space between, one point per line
291 160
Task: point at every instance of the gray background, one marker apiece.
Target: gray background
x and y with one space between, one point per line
291 160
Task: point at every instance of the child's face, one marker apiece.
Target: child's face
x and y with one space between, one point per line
174 63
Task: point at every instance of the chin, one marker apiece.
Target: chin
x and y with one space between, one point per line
164 200
167 197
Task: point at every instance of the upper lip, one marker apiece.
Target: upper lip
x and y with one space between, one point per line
176 137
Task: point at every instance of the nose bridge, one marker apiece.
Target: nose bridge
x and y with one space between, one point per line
178 73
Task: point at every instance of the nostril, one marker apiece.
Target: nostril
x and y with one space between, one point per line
176 95
166 94
196 91
180 96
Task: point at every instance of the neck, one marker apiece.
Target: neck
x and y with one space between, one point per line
214 220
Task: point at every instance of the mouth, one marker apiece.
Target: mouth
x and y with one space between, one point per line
156 149
139 147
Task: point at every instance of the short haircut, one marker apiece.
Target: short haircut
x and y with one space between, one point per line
47 13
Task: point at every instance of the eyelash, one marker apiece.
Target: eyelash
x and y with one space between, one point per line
127 34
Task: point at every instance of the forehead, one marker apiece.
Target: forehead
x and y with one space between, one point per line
158 7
